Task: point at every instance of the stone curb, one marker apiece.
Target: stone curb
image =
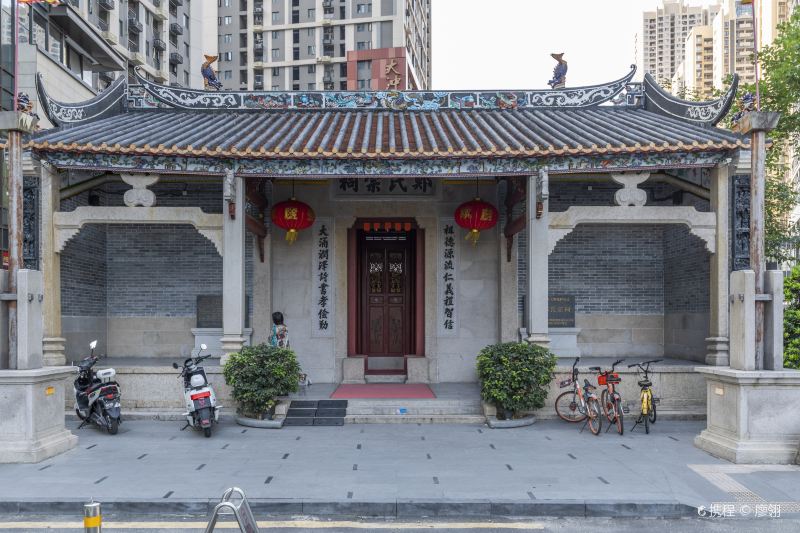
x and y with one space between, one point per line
404 508
261 424
494 423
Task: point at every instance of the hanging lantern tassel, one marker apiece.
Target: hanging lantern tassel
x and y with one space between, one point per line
292 216
476 216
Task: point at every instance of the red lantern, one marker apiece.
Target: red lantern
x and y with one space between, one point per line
292 216
476 216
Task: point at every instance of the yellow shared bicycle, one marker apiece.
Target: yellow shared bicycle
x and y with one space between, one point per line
648 403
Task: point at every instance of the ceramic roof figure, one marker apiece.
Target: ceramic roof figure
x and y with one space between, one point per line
559 73
209 76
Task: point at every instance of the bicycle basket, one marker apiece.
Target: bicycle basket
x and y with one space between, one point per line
565 383
601 379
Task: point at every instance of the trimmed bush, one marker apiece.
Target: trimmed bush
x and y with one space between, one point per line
515 375
258 375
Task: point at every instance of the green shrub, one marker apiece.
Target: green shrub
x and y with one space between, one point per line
258 375
791 319
515 375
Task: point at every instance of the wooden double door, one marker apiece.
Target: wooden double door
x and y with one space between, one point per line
386 278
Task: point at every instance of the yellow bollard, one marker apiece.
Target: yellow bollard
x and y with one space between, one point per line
92 519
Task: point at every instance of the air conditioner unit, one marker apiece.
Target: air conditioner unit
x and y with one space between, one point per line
324 59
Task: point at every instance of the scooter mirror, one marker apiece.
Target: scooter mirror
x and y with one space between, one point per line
203 347
175 366
93 344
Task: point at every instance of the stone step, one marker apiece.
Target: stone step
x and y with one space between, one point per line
414 407
415 419
385 378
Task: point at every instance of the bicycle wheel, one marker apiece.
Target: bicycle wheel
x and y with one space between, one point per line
646 424
652 412
595 417
567 407
618 410
608 406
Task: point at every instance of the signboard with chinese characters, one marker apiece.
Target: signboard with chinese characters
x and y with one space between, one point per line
323 279
561 311
395 187
447 281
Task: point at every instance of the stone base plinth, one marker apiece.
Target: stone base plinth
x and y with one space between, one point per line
749 415
564 341
53 349
417 370
32 426
353 370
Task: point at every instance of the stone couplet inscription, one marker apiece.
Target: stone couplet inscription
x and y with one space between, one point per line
561 311
740 215
323 281
448 279
385 187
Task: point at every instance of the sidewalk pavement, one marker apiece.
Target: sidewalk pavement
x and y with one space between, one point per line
396 470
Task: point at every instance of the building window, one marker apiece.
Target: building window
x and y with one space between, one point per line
312 69
185 78
276 16
312 49
227 38
364 8
312 86
312 13
310 32
276 34
296 53
276 71
363 45
365 84
295 73
276 53
226 20
227 56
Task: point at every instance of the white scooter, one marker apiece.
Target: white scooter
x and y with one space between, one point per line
97 395
202 410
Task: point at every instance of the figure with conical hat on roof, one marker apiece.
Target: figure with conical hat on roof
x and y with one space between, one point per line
559 73
209 76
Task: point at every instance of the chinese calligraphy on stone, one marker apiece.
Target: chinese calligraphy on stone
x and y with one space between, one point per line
448 279
322 260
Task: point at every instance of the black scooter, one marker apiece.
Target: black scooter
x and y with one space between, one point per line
97 395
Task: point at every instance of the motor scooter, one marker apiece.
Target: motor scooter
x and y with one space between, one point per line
97 395
202 411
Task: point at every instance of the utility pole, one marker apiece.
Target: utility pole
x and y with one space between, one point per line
14 124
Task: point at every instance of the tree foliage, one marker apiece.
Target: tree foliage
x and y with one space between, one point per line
780 91
791 319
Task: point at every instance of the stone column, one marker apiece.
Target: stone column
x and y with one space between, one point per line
718 339
233 289
261 321
53 342
538 259
508 317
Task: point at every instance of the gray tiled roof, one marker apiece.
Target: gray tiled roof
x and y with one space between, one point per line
384 133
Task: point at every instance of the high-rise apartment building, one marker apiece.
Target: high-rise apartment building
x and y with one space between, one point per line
694 77
664 34
324 44
734 42
167 38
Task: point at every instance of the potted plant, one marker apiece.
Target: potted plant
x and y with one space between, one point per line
515 376
258 375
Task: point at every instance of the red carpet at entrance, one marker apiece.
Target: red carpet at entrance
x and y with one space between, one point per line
384 391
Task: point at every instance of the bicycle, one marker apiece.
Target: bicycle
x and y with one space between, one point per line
610 399
648 414
580 403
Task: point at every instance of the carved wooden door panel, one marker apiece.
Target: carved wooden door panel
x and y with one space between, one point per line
386 317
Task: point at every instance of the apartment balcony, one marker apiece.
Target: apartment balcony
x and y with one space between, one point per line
137 58
258 86
108 5
327 3
175 58
324 59
133 23
258 45
158 44
176 29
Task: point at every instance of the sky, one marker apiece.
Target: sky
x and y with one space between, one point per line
506 44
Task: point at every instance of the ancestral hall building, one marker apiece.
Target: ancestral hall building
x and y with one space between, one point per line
616 233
